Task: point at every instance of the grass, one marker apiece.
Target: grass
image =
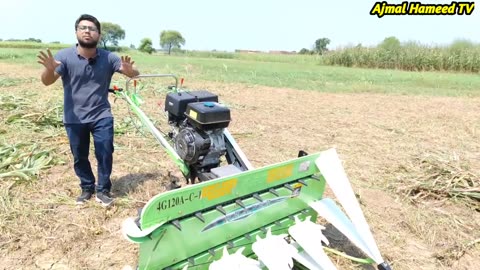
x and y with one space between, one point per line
289 71
11 82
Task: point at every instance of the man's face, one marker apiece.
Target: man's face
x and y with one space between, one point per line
87 34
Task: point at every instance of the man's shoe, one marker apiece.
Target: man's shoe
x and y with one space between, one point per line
85 196
104 198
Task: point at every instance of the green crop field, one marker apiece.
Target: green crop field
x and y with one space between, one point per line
306 72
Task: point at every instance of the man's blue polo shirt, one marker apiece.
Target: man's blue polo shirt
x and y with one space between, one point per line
85 84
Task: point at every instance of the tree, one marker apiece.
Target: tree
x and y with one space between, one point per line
146 46
170 39
390 44
304 51
321 45
34 40
111 33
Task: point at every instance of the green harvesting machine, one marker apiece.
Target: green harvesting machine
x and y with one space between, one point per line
231 215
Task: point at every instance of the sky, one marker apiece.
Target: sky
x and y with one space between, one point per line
226 25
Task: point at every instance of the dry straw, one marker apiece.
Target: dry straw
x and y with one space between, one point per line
435 176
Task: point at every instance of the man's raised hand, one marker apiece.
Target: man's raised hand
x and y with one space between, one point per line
127 67
47 60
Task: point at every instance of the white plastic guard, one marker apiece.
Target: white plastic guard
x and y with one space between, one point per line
309 236
130 230
235 261
274 252
332 170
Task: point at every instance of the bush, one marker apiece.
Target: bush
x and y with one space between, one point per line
146 46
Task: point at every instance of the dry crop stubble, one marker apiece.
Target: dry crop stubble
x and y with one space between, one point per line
375 136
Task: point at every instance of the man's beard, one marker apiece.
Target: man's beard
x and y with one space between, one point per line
89 45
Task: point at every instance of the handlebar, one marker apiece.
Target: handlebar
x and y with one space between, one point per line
152 76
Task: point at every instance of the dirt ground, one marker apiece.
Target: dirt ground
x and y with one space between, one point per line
376 136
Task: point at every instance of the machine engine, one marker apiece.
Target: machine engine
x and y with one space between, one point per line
198 123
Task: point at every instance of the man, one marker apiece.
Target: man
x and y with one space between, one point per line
86 73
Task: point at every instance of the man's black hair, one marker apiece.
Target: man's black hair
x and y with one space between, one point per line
87 17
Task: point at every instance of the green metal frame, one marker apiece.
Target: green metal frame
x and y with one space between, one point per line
133 101
193 224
